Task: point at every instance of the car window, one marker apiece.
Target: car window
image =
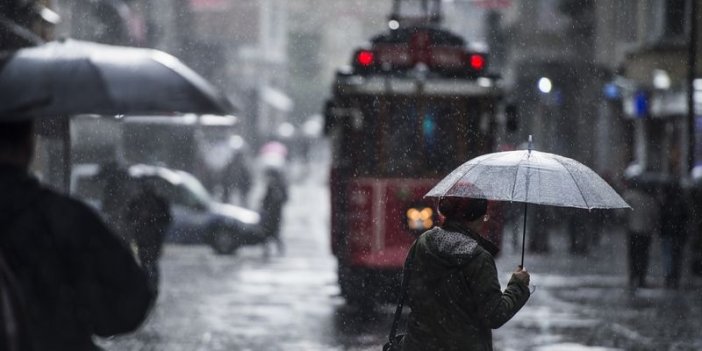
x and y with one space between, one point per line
186 197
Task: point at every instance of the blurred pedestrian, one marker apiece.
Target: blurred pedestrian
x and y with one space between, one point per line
237 179
453 290
579 228
115 195
673 233
642 223
696 240
148 217
272 208
539 224
77 278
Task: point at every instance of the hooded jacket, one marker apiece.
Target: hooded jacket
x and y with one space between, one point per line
454 293
76 277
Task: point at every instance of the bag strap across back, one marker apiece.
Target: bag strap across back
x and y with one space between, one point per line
406 273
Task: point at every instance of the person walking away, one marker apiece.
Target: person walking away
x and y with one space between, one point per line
237 179
696 240
453 291
642 222
114 196
673 233
148 217
272 208
77 278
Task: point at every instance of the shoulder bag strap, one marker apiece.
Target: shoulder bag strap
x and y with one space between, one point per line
403 295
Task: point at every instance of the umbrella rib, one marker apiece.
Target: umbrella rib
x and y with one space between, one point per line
468 171
202 87
576 183
514 185
101 79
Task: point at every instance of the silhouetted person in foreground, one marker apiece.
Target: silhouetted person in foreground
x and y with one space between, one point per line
148 217
453 289
14 329
272 208
77 278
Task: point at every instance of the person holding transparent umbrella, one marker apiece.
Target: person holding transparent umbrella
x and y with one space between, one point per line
453 290
524 176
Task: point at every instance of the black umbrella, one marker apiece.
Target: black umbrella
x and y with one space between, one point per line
71 77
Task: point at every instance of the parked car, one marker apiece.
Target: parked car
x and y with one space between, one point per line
197 218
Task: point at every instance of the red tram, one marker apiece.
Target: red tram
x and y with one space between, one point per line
414 105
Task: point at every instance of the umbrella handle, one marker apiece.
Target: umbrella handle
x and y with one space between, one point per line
524 234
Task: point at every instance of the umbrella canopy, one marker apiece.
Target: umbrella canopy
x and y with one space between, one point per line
531 177
71 77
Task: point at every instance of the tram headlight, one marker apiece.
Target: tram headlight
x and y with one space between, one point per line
420 218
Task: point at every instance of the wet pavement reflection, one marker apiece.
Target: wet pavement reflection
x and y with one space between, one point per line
292 302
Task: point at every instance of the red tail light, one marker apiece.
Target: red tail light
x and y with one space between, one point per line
365 58
477 62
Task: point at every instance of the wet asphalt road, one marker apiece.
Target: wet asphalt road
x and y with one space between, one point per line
291 302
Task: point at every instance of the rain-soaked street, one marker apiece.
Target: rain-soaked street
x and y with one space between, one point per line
164 115
291 302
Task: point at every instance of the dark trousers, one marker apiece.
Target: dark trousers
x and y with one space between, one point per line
639 245
672 248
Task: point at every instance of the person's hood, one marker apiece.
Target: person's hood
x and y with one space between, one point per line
18 190
456 244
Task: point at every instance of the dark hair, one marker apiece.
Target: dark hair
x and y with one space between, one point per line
13 134
462 208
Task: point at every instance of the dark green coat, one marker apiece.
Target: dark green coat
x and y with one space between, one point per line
454 293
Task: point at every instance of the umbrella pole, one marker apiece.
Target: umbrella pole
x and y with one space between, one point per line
66 156
524 234
525 206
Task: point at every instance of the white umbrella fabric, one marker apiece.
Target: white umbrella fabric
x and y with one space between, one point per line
531 177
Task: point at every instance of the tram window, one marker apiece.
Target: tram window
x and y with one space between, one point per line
412 137
358 150
419 138
399 153
439 129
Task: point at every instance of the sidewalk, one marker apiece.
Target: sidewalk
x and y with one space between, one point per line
583 303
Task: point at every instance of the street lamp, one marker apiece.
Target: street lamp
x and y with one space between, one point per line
545 85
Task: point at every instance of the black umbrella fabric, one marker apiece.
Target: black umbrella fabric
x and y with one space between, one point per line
71 77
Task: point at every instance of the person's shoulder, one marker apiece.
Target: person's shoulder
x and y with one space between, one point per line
483 255
455 247
66 205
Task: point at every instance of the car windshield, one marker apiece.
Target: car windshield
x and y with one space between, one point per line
194 190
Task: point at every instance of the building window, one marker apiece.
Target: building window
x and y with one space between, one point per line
665 21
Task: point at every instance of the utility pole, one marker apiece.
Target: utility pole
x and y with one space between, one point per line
691 72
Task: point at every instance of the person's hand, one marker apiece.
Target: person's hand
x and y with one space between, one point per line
522 275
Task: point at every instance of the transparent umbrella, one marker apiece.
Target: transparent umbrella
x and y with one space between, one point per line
531 177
